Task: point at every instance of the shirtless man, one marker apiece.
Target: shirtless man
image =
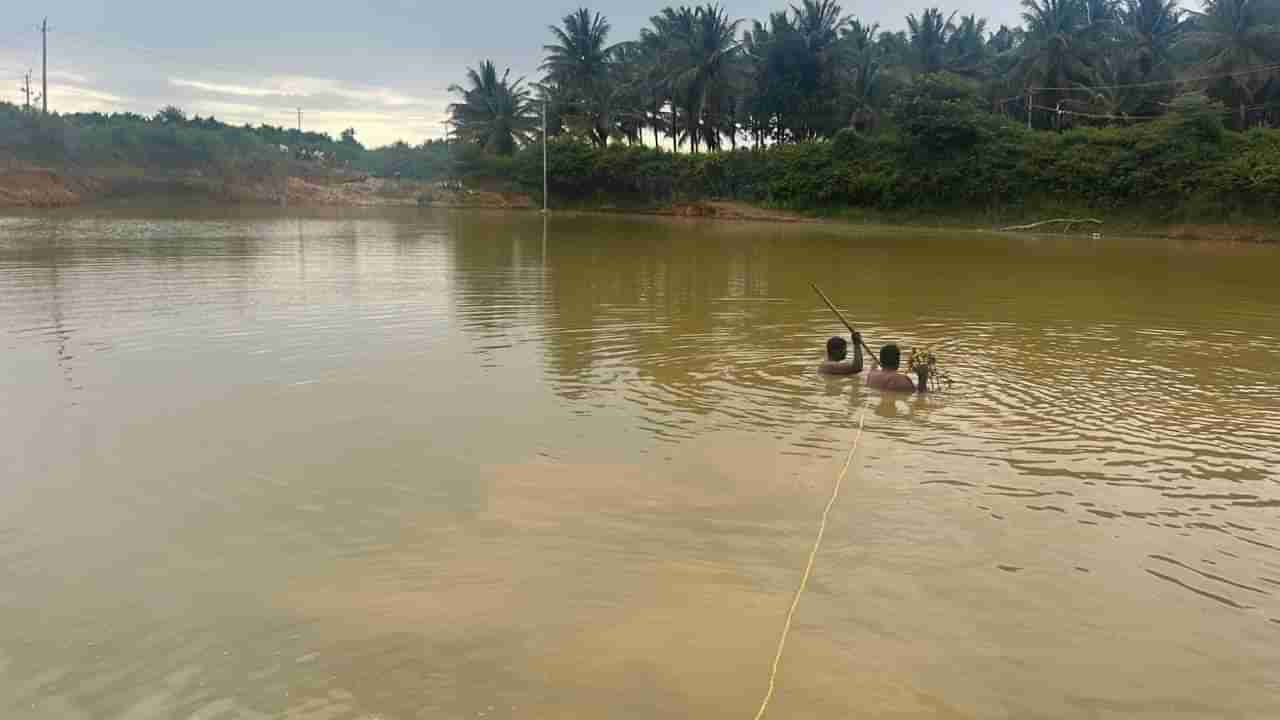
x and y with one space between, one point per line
837 351
887 377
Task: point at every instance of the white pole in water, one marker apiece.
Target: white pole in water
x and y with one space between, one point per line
44 64
544 155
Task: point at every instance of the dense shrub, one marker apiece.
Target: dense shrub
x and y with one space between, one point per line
1182 166
941 153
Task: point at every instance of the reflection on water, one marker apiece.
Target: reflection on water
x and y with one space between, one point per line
428 464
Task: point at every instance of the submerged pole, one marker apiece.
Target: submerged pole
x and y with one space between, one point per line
544 155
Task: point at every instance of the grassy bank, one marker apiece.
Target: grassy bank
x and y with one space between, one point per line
941 161
948 161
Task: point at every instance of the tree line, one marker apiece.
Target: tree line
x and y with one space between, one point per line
172 141
942 155
698 79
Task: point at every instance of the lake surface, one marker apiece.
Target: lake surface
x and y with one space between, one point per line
427 464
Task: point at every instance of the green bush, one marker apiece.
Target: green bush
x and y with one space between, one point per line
939 114
1182 165
942 153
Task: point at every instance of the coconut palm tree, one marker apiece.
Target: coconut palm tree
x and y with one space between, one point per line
1004 39
670 29
1000 84
819 57
1056 51
1112 91
967 51
1151 28
629 74
759 50
700 58
494 112
929 35
719 74
1234 37
579 62
1138 53
865 60
819 23
655 88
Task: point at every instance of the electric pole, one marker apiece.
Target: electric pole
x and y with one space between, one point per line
544 156
299 121
44 54
26 90
448 154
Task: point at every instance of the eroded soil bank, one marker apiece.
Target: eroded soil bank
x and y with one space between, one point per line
36 187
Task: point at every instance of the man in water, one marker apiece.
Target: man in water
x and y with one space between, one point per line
837 351
887 377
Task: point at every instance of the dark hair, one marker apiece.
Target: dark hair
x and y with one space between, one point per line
837 348
890 356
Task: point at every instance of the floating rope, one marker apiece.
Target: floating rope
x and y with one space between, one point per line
808 568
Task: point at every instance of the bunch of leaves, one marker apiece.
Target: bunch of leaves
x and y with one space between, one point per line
922 360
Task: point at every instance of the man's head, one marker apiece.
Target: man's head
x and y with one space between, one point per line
837 349
890 357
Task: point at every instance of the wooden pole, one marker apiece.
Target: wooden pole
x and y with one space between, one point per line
843 319
545 204
44 65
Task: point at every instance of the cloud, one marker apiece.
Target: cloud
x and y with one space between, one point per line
70 77
294 87
75 98
381 115
220 89
374 127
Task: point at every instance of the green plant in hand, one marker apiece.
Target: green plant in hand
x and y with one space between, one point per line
924 364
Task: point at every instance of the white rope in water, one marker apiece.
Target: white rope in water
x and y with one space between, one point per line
808 568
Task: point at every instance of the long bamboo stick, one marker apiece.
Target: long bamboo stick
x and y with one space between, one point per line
874 358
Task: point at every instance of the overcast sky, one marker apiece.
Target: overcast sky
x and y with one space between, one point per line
383 68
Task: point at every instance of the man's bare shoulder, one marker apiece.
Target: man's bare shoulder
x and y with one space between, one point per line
889 380
831 367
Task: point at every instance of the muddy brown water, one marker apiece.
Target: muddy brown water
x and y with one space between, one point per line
417 464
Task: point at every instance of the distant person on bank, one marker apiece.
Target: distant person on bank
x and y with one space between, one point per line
837 354
887 377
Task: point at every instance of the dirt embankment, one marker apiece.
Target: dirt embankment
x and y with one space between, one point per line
727 210
321 192
459 197
34 187
40 188
23 186
1247 233
43 188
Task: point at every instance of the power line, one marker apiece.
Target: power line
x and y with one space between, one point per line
1097 116
1159 83
1134 118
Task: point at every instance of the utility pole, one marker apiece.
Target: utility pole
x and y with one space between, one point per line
448 153
299 121
544 156
44 54
26 89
